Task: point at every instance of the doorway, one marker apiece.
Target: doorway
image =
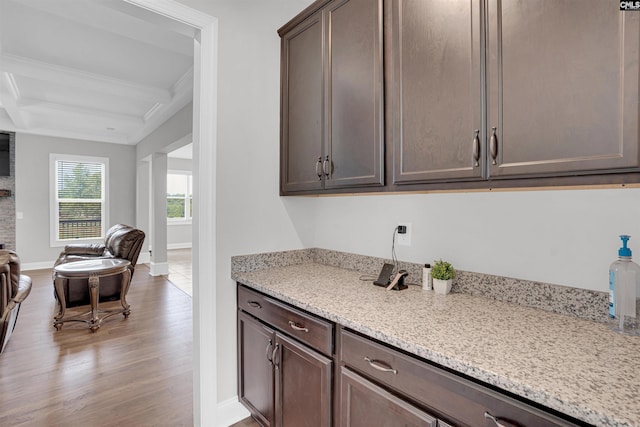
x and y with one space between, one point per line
204 218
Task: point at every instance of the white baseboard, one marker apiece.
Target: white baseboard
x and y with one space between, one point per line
36 265
230 412
186 245
158 268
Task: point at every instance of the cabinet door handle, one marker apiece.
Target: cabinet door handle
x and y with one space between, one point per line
255 304
326 167
476 148
493 145
319 168
297 327
380 366
267 353
273 356
495 420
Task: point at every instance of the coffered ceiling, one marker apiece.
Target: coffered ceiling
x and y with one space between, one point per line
98 70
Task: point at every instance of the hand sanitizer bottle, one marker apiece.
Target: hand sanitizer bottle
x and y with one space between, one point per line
624 291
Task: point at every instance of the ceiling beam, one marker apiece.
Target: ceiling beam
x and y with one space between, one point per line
53 109
10 96
82 80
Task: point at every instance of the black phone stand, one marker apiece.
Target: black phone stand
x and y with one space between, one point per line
385 276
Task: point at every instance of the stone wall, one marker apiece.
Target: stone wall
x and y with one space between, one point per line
8 204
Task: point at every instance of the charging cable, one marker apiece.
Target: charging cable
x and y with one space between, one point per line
394 258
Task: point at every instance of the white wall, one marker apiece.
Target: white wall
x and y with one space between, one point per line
179 235
566 237
32 189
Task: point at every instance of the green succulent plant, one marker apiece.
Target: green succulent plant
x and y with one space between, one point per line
442 270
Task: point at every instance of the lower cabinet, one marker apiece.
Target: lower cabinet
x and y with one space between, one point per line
255 368
364 404
282 381
303 385
287 378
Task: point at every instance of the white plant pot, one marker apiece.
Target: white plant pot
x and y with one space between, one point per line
442 287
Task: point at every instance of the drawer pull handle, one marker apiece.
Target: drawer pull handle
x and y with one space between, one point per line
380 366
494 419
254 304
296 327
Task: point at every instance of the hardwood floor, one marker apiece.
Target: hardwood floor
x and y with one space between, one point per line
133 372
247 422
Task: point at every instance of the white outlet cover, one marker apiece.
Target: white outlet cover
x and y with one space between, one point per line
404 239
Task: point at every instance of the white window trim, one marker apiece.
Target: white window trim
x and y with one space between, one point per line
181 221
53 204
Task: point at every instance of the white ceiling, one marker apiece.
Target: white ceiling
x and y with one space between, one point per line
99 70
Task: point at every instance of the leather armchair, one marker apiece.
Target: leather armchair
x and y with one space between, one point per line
14 289
121 241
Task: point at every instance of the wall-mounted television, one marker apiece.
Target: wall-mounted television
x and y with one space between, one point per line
5 157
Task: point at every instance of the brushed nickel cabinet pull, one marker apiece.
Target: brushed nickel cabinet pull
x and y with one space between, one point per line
319 168
493 145
380 366
267 353
296 327
476 148
326 167
273 356
488 416
255 304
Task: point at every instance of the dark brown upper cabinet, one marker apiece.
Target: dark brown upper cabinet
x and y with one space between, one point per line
302 106
332 104
562 79
522 89
479 94
436 83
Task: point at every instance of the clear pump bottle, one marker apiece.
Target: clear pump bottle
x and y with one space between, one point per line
624 291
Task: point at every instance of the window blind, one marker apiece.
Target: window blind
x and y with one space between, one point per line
80 198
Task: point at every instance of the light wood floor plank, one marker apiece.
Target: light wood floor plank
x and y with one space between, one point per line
133 372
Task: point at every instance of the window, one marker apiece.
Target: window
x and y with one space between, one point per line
78 198
179 196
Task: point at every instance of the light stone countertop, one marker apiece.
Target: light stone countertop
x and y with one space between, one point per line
575 366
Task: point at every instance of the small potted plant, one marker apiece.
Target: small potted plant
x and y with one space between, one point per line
443 274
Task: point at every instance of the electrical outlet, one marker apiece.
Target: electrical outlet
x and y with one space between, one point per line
404 239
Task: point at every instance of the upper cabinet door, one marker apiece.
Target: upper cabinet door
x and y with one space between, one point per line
562 87
302 106
436 89
354 94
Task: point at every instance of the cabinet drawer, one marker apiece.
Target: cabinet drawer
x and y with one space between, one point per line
450 396
251 302
307 328
363 403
